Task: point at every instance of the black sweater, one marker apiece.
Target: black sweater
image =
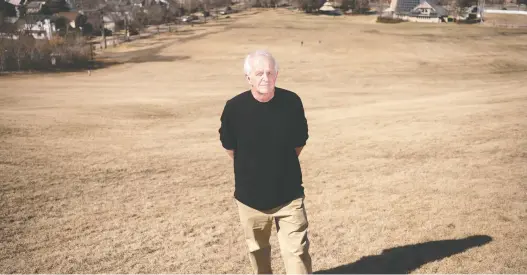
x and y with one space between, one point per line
264 137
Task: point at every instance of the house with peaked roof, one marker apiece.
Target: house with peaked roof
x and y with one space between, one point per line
424 11
329 8
402 7
428 9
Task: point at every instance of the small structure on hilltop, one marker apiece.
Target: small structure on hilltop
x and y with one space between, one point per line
329 8
428 11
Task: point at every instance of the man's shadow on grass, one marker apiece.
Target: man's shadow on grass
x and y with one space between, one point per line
405 259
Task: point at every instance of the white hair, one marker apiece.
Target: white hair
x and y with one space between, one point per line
247 65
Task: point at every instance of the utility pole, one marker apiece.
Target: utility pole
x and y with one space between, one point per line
126 27
205 10
103 33
481 8
380 8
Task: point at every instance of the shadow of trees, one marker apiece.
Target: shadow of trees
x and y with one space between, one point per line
404 259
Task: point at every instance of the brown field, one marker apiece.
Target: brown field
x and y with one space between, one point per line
416 162
506 20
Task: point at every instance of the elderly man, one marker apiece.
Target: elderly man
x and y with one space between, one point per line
264 130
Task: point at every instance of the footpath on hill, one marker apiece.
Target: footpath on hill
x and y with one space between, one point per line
145 46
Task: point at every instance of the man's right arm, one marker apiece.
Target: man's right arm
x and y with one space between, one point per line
226 131
301 128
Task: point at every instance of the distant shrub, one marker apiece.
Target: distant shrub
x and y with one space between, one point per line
470 20
27 53
389 20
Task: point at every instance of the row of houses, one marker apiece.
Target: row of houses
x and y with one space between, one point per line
431 11
408 10
41 19
424 10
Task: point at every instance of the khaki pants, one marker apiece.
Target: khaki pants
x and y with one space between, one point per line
291 223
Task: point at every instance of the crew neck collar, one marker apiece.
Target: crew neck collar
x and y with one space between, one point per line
276 90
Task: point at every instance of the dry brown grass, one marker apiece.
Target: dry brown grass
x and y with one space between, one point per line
418 141
506 20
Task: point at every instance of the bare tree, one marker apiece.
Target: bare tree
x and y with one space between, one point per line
7 10
264 3
347 5
173 12
54 6
3 50
193 5
2 11
90 4
308 5
457 7
120 11
210 4
2 14
463 4
138 18
156 15
362 6
453 8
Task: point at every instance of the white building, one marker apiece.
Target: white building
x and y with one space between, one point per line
427 11
42 29
328 6
423 11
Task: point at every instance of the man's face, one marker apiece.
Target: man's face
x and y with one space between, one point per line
262 76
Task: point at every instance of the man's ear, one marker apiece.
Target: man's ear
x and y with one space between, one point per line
248 79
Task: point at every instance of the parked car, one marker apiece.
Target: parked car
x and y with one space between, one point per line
189 18
227 10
